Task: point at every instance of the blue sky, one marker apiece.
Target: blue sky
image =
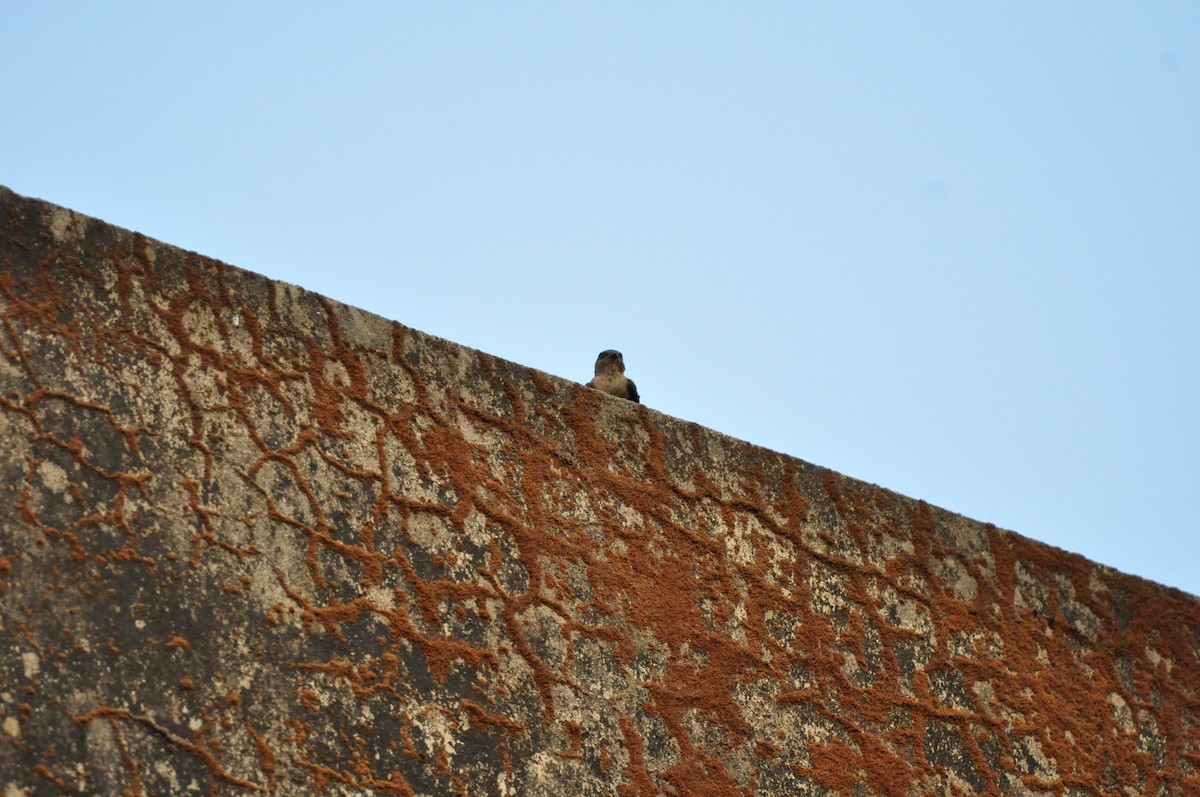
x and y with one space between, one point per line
949 248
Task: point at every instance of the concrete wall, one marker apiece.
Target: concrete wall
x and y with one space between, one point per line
253 540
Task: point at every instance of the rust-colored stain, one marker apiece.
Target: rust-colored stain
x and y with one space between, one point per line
257 541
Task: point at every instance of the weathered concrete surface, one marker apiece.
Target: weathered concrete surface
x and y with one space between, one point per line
252 540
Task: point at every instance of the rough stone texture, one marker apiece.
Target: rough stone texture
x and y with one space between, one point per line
254 540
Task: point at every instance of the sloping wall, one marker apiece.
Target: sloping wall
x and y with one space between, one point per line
253 540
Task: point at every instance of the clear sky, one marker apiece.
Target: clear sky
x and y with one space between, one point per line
949 248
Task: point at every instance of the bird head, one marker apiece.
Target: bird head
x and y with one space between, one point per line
610 360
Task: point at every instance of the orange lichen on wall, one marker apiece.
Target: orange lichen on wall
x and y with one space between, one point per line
260 541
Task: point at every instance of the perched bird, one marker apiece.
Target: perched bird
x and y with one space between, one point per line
610 376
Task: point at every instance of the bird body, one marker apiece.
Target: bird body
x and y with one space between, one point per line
610 376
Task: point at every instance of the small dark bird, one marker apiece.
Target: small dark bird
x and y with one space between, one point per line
610 376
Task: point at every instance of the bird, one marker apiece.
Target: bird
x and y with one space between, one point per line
610 376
